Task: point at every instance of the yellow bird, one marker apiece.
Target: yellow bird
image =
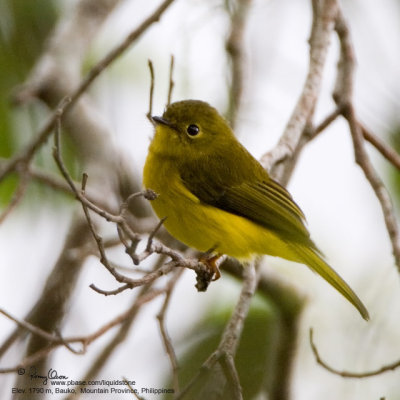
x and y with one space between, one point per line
215 195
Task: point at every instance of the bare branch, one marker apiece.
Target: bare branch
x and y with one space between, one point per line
151 93
145 293
55 341
110 292
17 196
388 152
231 337
134 393
171 80
324 15
376 183
26 155
235 50
343 95
314 132
347 374
169 348
223 356
31 359
31 328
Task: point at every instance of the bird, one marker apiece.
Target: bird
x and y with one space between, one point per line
217 198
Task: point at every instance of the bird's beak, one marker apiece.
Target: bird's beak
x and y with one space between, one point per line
160 120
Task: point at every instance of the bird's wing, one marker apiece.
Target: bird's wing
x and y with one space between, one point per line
254 196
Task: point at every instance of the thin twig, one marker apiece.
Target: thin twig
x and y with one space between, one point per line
80 195
324 15
235 49
31 328
376 183
153 234
388 152
348 374
110 292
17 196
121 334
50 180
171 80
151 248
313 133
11 338
55 340
151 93
169 348
343 95
131 388
68 345
30 360
123 229
27 154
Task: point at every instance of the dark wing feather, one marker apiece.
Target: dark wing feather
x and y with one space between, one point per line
261 203
250 193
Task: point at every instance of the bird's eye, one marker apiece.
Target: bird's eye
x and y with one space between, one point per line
193 130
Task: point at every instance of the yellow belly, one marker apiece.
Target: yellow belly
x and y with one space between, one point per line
204 227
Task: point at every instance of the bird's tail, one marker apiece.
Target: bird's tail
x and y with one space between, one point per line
310 257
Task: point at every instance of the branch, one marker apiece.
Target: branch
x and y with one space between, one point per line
324 15
144 292
52 80
313 132
388 152
56 340
235 49
347 374
178 260
30 327
18 194
163 329
231 337
26 155
151 93
391 155
343 95
218 373
171 80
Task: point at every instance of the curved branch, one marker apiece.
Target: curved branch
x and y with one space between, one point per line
343 96
348 374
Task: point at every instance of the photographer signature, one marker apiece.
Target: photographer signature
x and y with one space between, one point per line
51 374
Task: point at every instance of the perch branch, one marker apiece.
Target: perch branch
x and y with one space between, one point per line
178 260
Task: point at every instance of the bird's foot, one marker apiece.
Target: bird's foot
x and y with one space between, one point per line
211 271
211 263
